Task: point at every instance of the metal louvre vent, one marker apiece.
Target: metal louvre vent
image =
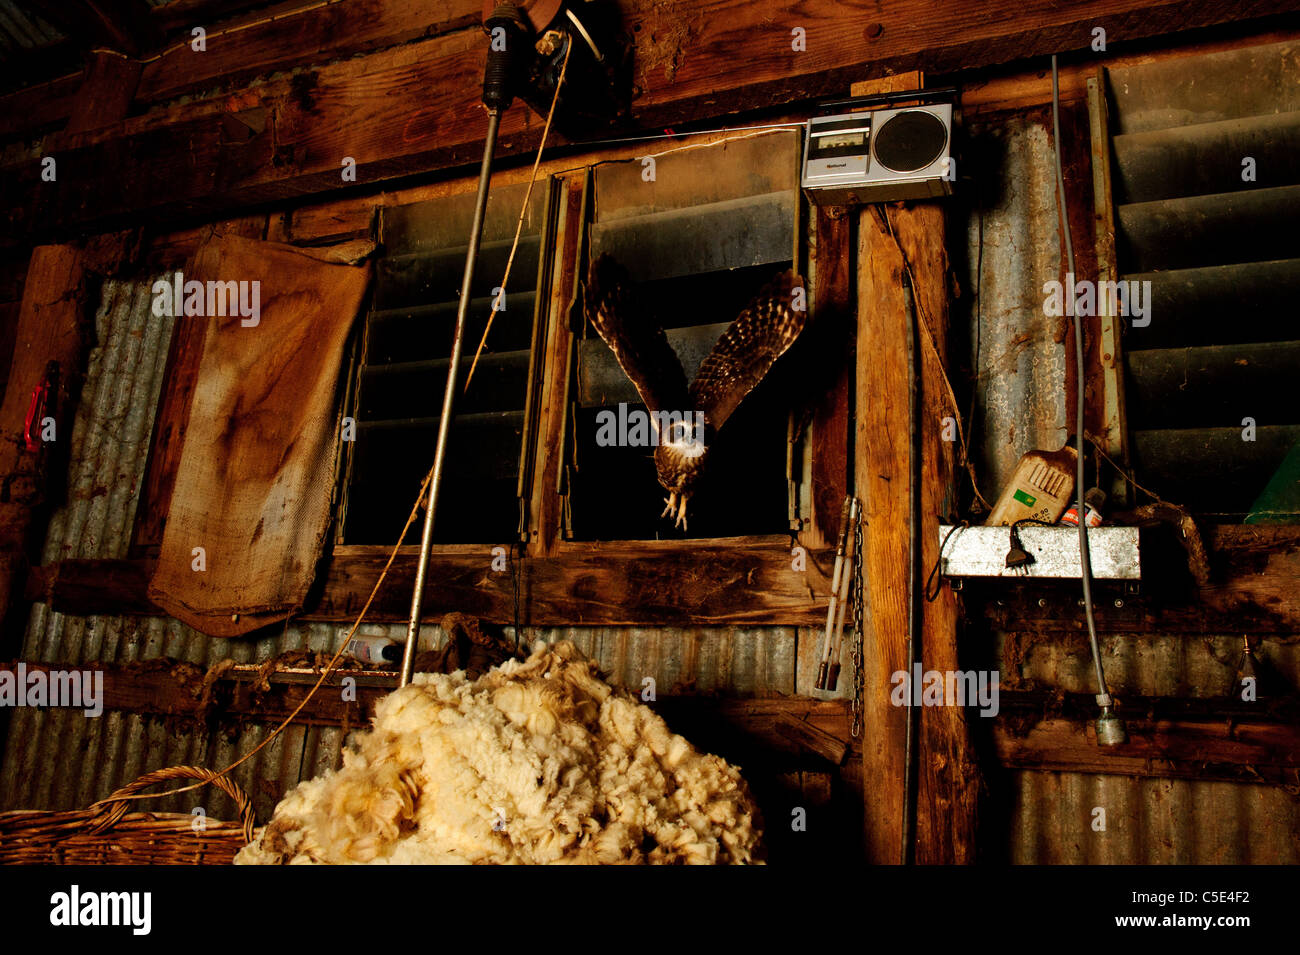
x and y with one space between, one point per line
402 372
1207 187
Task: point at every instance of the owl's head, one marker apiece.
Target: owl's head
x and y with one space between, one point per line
679 461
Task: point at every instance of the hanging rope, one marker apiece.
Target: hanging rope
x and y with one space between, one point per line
523 212
329 668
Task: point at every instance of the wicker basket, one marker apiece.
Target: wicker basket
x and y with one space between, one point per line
106 834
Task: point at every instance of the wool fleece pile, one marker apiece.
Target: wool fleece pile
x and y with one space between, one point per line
535 762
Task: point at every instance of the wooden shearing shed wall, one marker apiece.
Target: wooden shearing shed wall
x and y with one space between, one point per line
161 156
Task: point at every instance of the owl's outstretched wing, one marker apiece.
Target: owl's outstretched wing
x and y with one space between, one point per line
637 340
749 347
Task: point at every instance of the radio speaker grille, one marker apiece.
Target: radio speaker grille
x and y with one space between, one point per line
910 141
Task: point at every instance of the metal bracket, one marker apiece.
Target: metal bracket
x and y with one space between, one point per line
982 552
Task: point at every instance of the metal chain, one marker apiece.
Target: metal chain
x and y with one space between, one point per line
856 729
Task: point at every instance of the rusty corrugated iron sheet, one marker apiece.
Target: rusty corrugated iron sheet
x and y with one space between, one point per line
23 29
1016 350
745 662
1150 821
60 759
1020 404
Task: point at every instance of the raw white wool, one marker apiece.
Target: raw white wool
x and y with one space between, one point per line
537 761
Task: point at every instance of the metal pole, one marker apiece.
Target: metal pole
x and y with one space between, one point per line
449 396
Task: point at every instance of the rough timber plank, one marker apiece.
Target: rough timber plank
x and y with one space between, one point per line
1185 749
298 33
50 329
740 581
949 779
882 479
414 107
833 329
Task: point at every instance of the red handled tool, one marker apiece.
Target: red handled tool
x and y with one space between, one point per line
38 409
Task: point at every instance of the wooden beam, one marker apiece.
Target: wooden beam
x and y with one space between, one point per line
181 14
549 495
828 746
1240 752
727 581
1023 708
174 689
828 358
38 108
51 333
1262 752
882 480
291 35
414 108
104 96
949 771
94 587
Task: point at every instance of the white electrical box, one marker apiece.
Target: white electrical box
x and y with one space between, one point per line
879 155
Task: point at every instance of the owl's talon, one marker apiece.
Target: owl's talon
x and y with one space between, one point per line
675 509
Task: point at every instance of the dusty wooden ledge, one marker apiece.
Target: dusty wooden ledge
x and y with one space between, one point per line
735 581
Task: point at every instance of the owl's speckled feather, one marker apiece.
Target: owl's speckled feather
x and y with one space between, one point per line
748 349
637 340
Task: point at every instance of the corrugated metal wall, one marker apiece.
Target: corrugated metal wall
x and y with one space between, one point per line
1015 351
1150 821
759 661
1153 821
60 759
22 29
1020 404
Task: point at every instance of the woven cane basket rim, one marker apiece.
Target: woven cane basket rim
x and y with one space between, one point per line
107 834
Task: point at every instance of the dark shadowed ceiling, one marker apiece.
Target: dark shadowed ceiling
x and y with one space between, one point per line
41 39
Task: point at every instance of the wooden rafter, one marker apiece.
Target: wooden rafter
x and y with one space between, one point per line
414 107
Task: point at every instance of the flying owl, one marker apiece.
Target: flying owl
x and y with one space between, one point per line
685 419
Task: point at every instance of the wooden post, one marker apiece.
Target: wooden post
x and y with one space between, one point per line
53 327
831 259
881 477
894 240
49 330
946 763
104 97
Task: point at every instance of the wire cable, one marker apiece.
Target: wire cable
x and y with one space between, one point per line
329 668
932 591
523 212
1085 557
